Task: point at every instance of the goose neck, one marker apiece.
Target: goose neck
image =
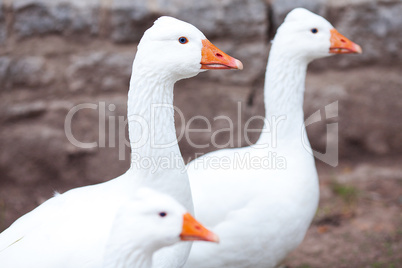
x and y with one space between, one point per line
150 117
283 96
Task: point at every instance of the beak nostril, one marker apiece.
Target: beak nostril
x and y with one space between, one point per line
219 55
343 40
197 227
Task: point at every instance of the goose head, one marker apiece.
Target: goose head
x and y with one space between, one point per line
154 220
178 50
310 36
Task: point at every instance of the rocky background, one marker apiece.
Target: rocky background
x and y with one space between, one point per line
56 54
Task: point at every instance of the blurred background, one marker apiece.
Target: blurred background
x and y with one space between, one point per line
56 54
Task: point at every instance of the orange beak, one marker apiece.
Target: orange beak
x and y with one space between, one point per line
341 45
193 230
214 58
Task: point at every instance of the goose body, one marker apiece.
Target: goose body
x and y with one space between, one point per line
133 230
62 232
262 211
169 51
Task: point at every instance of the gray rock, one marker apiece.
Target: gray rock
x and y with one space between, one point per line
376 27
216 19
24 111
368 101
129 20
4 67
3 31
224 19
99 71
39 17
43 145
28 72
280 8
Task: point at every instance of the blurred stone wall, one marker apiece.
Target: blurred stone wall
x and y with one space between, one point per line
56 54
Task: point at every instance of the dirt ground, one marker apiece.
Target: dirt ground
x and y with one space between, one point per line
359 220
358 223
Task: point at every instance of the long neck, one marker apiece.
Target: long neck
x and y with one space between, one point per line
151 119
283 97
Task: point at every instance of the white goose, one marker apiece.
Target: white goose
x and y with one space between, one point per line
132 231
146 225
262 214
169 51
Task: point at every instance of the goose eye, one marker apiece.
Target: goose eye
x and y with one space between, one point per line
183 40
162 214
314 30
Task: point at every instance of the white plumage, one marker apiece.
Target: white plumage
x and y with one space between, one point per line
68 229
148 223
262 211
132 230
